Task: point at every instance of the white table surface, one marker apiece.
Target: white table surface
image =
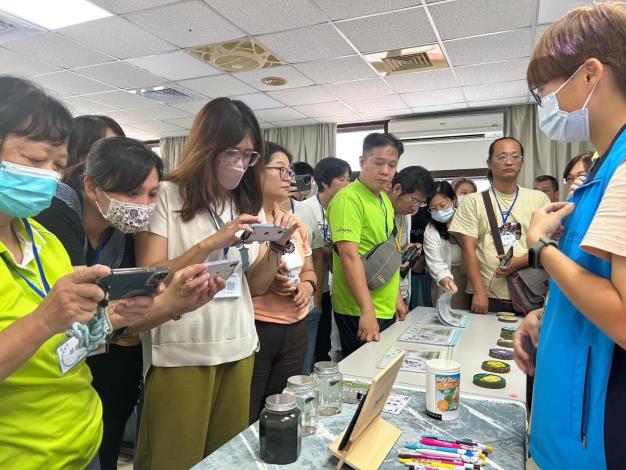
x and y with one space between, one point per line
471 350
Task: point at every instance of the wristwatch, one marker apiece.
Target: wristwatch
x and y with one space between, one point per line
533 253
313 285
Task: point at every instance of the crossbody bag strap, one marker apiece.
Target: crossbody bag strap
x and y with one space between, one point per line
493 225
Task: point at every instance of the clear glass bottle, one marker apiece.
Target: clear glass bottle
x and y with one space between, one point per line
329 388
279 438
303 388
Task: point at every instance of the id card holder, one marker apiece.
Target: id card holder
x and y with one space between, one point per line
232 289
70 354
508 239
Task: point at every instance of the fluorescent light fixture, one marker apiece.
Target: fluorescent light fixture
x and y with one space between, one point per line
52 14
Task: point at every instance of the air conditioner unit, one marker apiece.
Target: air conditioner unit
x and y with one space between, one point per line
453 127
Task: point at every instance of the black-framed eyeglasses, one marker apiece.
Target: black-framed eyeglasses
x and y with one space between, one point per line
232 156
286 173
415 201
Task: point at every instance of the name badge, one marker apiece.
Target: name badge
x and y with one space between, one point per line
508 239
232 289
70 354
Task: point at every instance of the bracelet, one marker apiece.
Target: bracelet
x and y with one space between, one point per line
282 249
310 281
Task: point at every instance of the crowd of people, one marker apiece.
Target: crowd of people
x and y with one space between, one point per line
199 356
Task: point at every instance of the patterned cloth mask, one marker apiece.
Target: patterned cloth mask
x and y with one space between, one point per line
127 217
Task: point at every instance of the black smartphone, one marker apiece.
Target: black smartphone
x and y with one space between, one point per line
504 262
302 182
408 254
132 282
346 436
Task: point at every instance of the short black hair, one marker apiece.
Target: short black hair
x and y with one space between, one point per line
117 165
414 178
88 129
27 111
271 148
379 139
445 189
493 144
327 169
303 168
551 179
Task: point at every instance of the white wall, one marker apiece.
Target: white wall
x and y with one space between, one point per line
446 155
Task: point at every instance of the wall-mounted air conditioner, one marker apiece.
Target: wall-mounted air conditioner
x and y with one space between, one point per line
438 128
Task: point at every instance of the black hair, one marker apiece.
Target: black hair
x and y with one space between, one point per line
584 157
303 168
492 146
271 148
117 165
378 139
27 111
414 178
327 169
441 188
551 179
88 129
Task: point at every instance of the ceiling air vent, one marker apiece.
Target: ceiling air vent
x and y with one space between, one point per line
236 56
168 94
414 59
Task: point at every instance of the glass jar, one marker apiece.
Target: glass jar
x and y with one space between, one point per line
303 388
329 388
278 430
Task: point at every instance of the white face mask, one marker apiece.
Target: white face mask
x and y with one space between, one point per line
560 125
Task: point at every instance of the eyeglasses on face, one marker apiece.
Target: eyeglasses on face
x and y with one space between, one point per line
286 173
503 157
416 201
571 178
232 156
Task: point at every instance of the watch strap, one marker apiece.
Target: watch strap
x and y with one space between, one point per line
535 250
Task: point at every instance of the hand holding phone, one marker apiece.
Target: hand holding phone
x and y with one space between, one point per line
132 282
302 183
506 260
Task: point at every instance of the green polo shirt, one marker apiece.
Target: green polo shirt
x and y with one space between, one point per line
356 214
47 419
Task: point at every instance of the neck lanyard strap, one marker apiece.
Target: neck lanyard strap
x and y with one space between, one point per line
104 239
243 251
399 234
502 213
325 233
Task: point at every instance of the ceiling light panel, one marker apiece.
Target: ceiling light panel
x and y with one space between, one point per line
120 74
490 48
174 65
54 15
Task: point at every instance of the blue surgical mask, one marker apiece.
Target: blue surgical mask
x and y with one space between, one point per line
443 216
26 191
560 125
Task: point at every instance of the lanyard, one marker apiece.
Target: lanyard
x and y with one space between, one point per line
293 206
502 213
243 251
325 233
104 239
399 235
42 274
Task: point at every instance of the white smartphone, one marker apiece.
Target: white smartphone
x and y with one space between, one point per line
224 267
263 233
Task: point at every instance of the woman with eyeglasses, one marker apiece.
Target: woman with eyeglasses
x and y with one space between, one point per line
280 312
576 169
578 74
197 392
442 251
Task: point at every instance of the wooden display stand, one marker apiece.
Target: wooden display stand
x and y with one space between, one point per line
372 437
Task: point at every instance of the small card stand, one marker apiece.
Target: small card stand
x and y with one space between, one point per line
372 437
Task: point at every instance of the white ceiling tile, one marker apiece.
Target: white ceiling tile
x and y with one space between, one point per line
185 123
80 106
71 83
267 125
343 118
338 10
499 102
552 10
306 44
59 95
382 103
177 65
389 31
306 95
495 91
439 108
117 37
294 78
505 71
343 69
157 126
58 50
490 48
186 24
269 15
434 97
219 85
279 114
324 109
259 101
120 74
360 89
121 99
421 81
297 123
464 18
125 6
147 114
17 64
190 106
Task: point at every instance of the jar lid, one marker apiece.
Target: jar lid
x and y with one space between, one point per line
280 402
300 382
326 367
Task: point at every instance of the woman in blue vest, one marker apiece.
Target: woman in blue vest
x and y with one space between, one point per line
578 75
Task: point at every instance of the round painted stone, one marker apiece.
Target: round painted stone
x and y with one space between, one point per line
507 318
489 381
496 366
505 343
504 354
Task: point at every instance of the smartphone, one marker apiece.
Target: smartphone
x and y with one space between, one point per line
346 435
504 262
263 233
223 268
408 254
132 282
302 182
